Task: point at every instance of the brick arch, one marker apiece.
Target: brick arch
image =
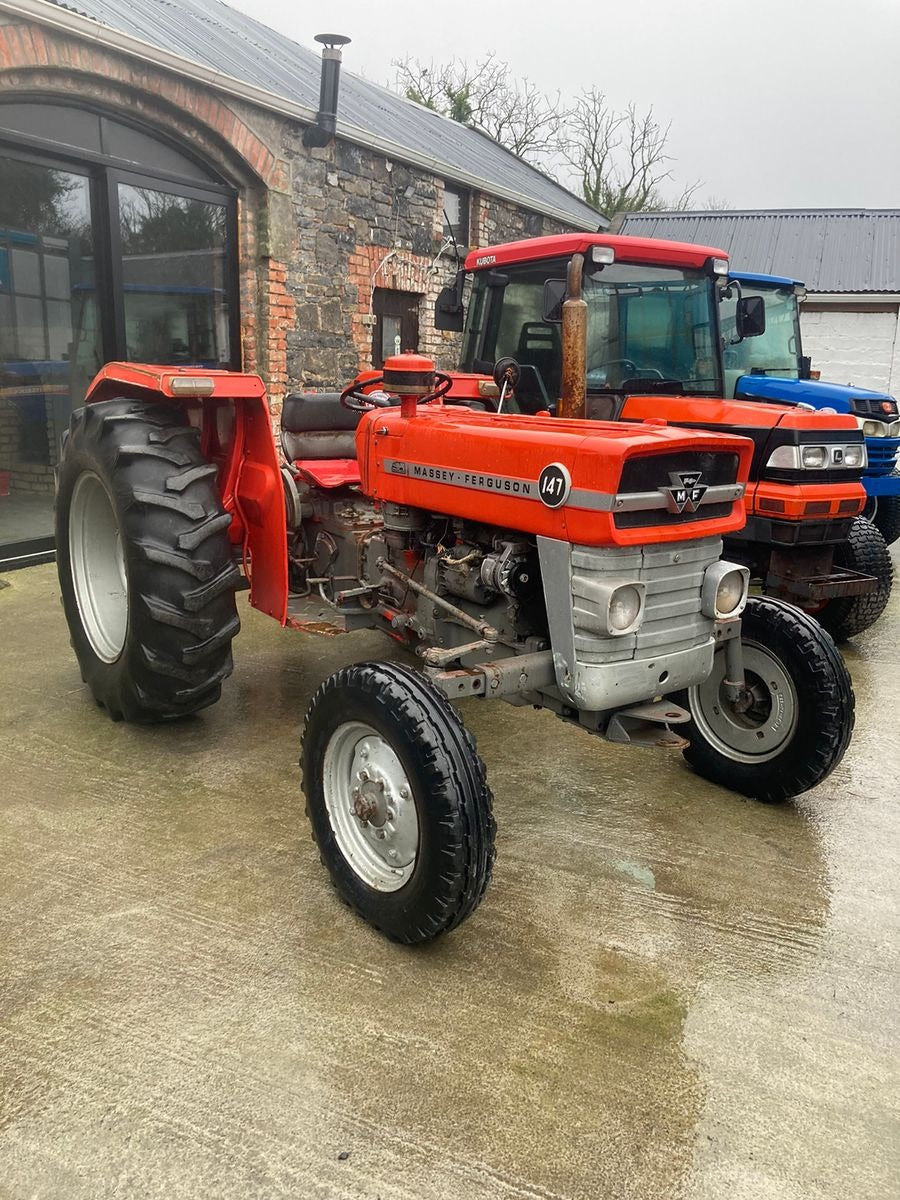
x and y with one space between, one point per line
34 61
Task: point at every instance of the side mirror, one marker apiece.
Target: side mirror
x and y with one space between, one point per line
805 367
449 312
554 295
750 317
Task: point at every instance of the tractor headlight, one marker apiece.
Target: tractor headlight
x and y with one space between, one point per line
874 429
724 591
814 457
851 456
610 609
625 606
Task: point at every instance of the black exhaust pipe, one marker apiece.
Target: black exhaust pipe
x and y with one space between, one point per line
325 127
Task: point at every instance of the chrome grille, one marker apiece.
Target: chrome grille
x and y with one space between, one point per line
672 620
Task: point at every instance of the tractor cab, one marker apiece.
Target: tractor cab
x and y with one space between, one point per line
656 328
774 369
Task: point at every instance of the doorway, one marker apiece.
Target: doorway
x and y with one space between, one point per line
396 324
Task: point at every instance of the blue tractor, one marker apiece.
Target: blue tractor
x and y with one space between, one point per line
773 367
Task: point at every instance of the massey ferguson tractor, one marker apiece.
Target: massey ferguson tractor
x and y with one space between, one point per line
650 318
568 565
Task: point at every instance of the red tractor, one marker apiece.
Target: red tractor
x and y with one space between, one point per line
567 565
652 346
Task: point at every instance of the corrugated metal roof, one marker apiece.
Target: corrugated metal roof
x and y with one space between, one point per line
216 36
830 250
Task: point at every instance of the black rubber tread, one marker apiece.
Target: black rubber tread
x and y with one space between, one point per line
453 800
887 515
864 551
826 708
178 559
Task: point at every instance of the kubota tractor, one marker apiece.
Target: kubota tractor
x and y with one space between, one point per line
653 347
568 565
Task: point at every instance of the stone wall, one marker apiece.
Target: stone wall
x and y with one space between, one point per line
364 222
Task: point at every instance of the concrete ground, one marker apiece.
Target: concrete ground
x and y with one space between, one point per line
668 991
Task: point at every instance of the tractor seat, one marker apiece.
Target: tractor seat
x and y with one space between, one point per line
316 425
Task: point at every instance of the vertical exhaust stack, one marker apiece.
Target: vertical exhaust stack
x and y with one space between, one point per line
325 127
573 385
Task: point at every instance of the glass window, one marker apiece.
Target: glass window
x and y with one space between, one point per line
174 278
456 214
775 352
644 322
46 254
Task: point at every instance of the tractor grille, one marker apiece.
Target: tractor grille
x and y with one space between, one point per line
649 473
672 621
882 454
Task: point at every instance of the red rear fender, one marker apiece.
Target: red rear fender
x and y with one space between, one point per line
232 413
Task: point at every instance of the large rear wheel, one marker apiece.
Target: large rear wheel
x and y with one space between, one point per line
398 800
145 564
793 723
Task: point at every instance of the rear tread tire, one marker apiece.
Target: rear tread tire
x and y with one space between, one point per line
181 574
864 551
454 802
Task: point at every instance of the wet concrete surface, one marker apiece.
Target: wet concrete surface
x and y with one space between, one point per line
668 991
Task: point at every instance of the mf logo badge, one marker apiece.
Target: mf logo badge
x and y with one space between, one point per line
554 485
686 491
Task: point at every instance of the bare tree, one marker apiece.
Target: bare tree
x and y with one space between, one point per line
619 158
514 112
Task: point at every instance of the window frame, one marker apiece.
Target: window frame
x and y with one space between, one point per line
464 196
105 173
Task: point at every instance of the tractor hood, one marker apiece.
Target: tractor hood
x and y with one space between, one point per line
842 397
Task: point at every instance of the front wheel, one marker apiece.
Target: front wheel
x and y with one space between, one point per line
792 725
398 800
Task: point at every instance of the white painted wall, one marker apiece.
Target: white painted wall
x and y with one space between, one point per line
862 348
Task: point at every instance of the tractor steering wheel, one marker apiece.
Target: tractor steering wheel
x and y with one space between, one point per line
354 398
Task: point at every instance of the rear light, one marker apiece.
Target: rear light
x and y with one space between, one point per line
191 385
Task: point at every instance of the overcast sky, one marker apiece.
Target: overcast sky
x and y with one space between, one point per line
773 103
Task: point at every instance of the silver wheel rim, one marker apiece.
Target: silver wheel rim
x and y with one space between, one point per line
98 567
370 805
762 732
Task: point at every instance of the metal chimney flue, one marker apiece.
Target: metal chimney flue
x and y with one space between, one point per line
325 127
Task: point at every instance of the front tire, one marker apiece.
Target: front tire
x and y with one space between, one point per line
884 513
863 551
398 800
145 565
797 724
